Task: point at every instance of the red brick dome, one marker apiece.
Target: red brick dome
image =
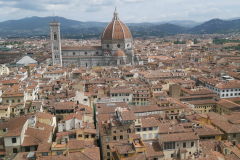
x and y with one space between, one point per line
119 53
116 29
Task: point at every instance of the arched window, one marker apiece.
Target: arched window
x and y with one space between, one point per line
55 36
15 150
128 130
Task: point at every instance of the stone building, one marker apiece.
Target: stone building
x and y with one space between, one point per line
116 47
115 129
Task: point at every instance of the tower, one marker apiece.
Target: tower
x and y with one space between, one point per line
55 43
174 91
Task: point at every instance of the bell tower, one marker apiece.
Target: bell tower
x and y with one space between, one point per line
55 42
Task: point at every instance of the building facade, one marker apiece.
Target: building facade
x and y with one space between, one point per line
116 47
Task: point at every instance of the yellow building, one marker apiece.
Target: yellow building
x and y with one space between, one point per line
225 106
86 134
122 151
203 106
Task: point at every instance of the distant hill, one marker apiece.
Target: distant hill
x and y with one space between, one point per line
183 23
78 29
39 25
217 26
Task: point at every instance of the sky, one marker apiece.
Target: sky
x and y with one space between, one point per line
128 10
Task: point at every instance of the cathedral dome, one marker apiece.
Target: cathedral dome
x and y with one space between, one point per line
119 53
116 29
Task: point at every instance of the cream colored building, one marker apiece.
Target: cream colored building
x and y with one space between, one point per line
179 145
4 111
147 128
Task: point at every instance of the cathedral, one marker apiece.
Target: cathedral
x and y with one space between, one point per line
116 48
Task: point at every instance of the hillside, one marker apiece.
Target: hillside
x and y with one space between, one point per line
217 26
78 29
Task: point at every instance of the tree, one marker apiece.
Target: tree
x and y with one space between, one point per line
195 41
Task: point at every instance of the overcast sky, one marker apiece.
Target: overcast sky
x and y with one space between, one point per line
128 10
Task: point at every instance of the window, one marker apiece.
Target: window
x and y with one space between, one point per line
59 153
85 99
234 135
156 135
118 45
45 154
85 53
108 139
86 136
14 140
7 101
121 137
144 136
96 52
108 147
125 155
18 100
15 150
192 144
150 128
13 100
108 46
108 154
74 53
4 130
125 122
184 144
114 138
150 135
128 130
172 155
114 131
169 145
138 129
93 136
80 136
121 130
144 129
